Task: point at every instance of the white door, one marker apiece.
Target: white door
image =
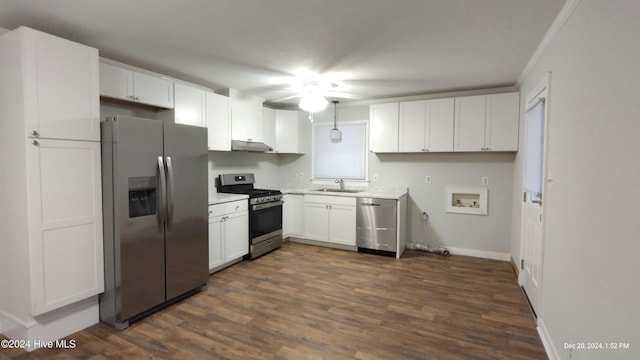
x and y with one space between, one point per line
412 126
65 222
342 223
316 221
532 209
62 88
189 105
236 235
216 249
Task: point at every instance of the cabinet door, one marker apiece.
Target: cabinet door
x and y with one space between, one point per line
292 215
189 105
218 122
246 125
116 82
236 235
65 222
503 112
439 128
412 126
269 120
153 90
342 224
216 249
469 123
287 132
316 221
61 88
384 127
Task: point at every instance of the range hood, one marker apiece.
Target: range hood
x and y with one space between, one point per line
237 145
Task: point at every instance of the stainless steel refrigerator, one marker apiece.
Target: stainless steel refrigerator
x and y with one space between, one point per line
155 215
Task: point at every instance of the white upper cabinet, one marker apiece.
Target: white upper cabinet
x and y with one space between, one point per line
503 117
487 122
288 132
126 84
218 119
61 88
269 121
189 105
384 127
247 123
412 128
470 120
439 128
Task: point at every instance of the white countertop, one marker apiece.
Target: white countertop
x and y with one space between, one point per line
374 193
219 198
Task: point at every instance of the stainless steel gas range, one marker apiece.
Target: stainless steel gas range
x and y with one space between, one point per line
265 212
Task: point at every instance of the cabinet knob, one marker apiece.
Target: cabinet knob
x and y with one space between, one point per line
35 142
35 133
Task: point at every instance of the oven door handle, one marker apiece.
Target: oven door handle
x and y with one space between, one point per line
267 205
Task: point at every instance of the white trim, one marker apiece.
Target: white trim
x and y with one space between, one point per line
539 92
551 34
549 347
493 255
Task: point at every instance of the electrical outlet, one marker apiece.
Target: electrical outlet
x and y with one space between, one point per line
427 179
485 180
294 175
300 175
375 177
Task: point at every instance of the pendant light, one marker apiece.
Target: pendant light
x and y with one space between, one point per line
335 134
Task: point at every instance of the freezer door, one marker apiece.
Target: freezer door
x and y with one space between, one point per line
187 244
139 235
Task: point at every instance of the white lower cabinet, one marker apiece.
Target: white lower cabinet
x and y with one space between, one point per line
65 203
330 218
228 233
292 215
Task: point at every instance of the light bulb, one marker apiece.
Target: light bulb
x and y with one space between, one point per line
313 103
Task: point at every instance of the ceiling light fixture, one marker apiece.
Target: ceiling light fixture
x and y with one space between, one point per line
312 102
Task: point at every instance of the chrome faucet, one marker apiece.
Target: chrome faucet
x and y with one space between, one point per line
341 182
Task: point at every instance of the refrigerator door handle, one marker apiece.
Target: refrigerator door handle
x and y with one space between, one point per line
163 190
170 194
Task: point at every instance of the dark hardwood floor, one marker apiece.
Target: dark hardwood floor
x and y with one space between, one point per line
308 302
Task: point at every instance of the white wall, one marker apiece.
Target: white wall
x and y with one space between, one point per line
590 289
264 166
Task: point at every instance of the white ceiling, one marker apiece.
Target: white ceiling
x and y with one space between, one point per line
375 48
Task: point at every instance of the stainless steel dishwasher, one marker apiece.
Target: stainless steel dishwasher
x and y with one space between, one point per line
376 226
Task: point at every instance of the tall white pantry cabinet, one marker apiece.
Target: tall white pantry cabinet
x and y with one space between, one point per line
51 249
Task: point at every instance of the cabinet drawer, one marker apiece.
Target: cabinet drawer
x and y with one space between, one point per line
228 208
332 200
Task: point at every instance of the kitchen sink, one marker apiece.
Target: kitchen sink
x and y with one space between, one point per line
339 190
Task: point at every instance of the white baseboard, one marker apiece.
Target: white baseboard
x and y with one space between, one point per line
551 350
52 326
480 253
